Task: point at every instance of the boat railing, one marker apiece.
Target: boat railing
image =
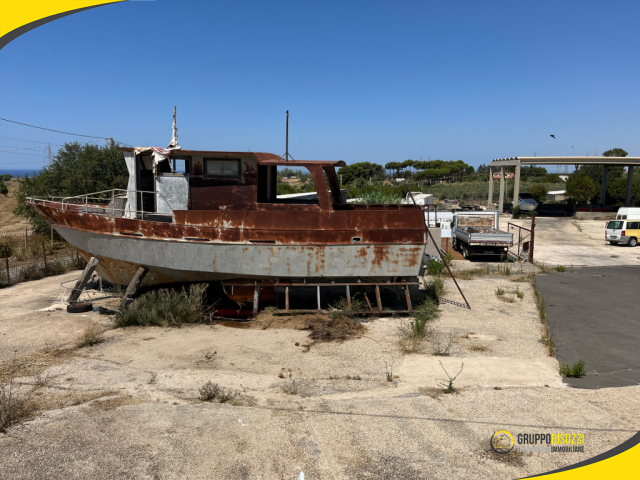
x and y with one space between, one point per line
104 203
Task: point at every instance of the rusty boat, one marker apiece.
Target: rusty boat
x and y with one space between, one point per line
190 216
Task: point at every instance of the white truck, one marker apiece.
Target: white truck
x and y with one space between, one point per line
477 233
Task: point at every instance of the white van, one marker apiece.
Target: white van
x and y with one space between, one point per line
623 231
626 213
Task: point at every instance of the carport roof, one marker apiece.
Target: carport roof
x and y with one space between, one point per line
501 162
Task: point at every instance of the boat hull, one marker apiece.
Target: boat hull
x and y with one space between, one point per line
178 261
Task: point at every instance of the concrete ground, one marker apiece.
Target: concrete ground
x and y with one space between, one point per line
135 411
594 317
566 241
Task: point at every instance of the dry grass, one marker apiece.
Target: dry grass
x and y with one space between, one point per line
14 408
322 327
212 392
9 223
91 336
34 364
478 348
115 402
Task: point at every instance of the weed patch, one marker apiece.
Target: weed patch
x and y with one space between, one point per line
547 336
574 371
212 392
91 336
14 407
560 268
435 267
448 385
165 307
412 332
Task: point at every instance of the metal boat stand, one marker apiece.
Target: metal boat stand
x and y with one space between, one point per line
243 288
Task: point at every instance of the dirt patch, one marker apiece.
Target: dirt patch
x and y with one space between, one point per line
35 363
115 402
322 327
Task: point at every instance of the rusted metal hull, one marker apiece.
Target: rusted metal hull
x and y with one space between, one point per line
170 261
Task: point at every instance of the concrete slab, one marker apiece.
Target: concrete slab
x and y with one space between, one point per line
567 241
500 372
594 317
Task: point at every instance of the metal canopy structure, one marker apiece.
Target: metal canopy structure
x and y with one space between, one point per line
606 162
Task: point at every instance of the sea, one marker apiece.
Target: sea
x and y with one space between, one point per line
19 172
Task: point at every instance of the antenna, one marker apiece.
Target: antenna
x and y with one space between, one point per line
287 156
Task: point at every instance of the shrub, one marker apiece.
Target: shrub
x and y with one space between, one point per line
92 336
448 258
560 268
165 307
574 371
435 289
539 192
412 332
342 308
515 211
212 392
13 407
434 267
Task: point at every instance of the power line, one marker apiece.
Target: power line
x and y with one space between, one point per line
51 130
23 140
31 148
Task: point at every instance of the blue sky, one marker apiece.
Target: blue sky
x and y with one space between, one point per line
363 80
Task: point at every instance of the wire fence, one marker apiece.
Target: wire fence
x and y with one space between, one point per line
31 257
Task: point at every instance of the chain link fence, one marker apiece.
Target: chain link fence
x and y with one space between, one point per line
26 257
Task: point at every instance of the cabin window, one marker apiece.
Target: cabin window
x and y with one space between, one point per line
221 168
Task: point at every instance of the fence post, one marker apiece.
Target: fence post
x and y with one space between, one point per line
26 235
6 257
44 254
533 226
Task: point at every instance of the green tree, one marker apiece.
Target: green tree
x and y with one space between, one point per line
539 192
581 188
3 188
360 171
285 189
615 152
76 169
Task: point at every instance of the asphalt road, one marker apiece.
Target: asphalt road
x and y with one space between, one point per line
594 315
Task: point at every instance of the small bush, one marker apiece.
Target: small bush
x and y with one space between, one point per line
435 267
92 336
448 258
55 267
515 211
212 392
435 289
499 292
519 293
165 307
29 273
13 407
342 309
290 387
560 268
574 371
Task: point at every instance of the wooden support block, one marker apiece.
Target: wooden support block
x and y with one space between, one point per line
378 299
83 280
135 283
256 300
318 287
406 292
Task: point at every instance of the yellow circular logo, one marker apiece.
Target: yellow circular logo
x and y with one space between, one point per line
502 442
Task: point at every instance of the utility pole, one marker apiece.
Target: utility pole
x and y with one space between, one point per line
111 142
48 156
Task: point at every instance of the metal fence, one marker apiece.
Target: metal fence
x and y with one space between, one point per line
30 257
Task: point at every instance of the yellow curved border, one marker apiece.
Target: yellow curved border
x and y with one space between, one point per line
20 16
619 463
